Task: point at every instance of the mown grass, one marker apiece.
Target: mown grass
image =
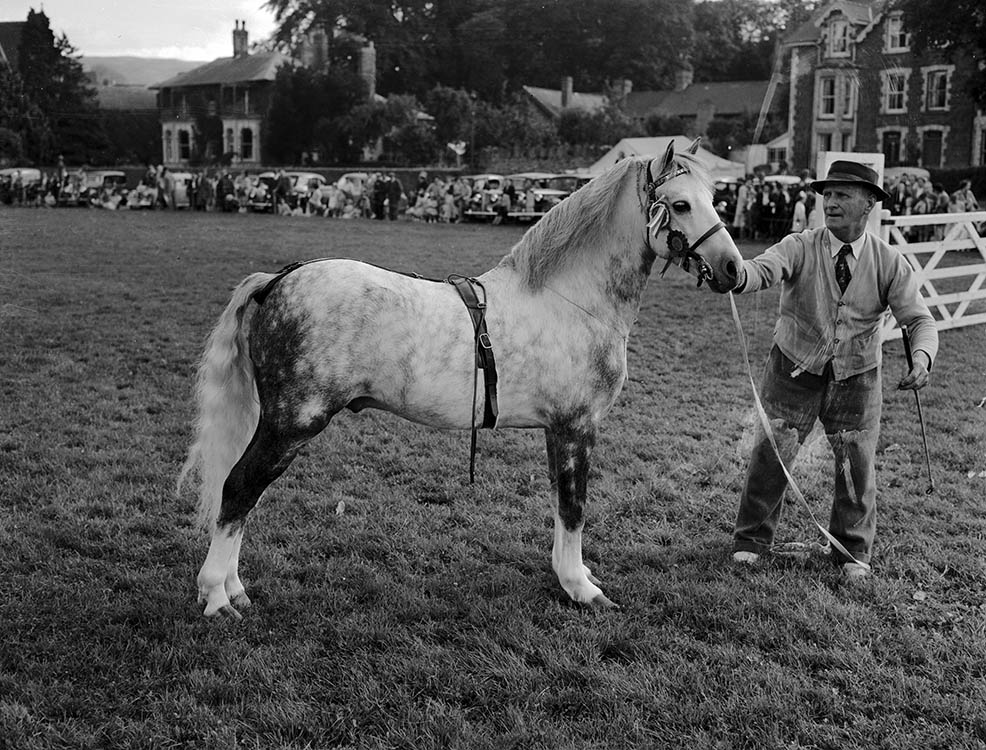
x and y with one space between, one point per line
425 614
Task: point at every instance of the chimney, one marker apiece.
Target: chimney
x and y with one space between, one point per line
368 68
566 92
683 77
240 40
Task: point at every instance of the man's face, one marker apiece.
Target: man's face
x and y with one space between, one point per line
846 209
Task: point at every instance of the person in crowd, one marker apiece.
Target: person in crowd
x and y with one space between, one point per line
282 193
395 194
741 214
963 199
837 282
378 198
799 216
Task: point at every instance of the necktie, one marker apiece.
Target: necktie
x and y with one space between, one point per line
842 275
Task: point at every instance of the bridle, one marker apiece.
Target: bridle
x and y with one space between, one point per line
659 216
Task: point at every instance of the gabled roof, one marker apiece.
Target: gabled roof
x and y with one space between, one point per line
549 101
261 66
727 97
10 41
861 13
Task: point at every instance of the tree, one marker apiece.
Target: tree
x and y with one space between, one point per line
957 28
304 105
54 80
19 114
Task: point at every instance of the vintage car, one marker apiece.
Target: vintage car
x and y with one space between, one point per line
546 189
93 187
301 185
30 184
486 192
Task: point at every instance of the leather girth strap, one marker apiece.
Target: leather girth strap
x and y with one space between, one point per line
485 361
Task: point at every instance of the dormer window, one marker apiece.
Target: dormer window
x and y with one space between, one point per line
838 39
896 40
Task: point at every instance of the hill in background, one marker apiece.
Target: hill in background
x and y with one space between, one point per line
135 71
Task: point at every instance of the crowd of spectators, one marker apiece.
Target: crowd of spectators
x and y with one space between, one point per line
375 195
767 208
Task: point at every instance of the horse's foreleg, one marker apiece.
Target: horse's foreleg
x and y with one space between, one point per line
568 470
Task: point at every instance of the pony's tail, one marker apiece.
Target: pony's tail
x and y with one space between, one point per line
227 402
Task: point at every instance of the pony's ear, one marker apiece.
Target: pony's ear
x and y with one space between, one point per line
668 157
693 149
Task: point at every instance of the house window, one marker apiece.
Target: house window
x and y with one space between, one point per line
824 142
826 104
776 155
168 148
936 89
931 148
246 144
228 146
839 39
848 97
184 145
896 40
982 148
891 147
211 108
894 98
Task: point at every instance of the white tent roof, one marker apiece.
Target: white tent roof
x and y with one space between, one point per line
717 166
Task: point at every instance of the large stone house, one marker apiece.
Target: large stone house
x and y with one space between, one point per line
857 85
237 92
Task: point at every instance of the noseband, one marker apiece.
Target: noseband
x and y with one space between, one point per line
658 215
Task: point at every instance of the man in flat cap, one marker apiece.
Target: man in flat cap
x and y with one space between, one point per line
837 283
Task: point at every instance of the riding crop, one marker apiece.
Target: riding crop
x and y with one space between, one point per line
917 399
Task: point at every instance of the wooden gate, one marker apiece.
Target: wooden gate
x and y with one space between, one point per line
948 254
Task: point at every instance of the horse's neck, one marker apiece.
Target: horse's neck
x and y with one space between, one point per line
608 287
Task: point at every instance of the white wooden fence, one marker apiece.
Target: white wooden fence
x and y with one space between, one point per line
948 254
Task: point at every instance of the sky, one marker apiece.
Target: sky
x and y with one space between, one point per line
200 30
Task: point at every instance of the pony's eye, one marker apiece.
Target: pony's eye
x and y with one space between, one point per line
681 207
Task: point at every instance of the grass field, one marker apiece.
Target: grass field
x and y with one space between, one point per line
395 605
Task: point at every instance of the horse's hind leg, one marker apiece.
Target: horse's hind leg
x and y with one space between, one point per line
568 469
265 459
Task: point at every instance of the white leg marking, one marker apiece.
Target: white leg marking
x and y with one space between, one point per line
212 576
573 575
235 589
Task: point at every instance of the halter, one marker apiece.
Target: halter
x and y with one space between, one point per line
658 216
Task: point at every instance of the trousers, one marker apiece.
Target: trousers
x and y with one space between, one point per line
849 411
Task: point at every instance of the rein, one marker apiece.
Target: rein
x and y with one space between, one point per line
659 216
765 423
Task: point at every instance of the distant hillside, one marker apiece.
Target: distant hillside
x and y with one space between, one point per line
136 71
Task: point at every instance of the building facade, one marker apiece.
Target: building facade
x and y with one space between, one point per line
218 108
857 85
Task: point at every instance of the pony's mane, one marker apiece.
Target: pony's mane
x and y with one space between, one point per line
584 220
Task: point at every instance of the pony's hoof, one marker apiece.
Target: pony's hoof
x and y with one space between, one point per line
230 611
592 579
241 600
601 601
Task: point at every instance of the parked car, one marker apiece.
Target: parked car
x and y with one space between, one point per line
548 190
486 192
301 183
30 184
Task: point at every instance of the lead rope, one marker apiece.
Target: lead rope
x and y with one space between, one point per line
773 443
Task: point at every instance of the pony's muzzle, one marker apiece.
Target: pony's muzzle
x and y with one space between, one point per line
725 278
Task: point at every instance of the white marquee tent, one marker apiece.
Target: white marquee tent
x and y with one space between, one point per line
717 166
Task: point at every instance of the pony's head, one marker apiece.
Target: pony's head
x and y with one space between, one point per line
683 226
